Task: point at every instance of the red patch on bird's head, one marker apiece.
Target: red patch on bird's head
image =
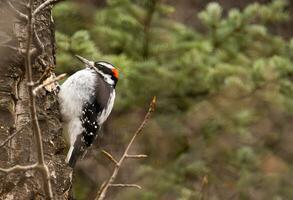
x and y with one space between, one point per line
115 73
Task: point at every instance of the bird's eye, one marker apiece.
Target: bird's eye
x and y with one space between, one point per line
97 65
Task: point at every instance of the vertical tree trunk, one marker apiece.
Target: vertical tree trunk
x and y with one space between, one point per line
14 109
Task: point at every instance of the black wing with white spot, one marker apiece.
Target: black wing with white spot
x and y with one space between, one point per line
90 113
88 120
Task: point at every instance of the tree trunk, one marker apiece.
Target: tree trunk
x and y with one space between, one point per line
14 109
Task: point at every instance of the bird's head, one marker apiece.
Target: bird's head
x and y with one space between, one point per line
105 69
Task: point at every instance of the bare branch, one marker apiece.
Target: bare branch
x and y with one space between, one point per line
44 84
19 14
110 157
42 167
101 188
104 188
12 48
12 135
19 50
137 156
125 185
38 42
44 5
17 168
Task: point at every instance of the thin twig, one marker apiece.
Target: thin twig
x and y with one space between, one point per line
12 135
17 168
101 188
19 14
12 48
104 188
137 156
20 51
44 84
33 113
125 185
108 155
44 5
38 42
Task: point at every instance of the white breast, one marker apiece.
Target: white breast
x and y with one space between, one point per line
74 93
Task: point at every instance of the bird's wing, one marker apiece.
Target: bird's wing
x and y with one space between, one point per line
90 112
93 110
90 126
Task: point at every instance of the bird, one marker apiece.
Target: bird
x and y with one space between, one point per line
86 100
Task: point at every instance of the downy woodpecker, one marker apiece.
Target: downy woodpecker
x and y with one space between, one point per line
86 99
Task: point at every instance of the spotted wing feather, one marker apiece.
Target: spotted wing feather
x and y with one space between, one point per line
91 113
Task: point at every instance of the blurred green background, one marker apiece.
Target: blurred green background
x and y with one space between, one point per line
223 76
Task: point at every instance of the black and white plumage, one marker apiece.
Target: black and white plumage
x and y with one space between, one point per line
86 99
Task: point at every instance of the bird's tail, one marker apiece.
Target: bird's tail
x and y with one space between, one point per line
74 153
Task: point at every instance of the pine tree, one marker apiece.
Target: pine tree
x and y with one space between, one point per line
217 90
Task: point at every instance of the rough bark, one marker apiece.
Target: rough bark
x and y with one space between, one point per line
14 110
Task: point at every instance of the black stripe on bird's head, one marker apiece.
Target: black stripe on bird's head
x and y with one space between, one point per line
106 69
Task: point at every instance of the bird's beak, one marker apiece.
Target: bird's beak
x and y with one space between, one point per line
87 63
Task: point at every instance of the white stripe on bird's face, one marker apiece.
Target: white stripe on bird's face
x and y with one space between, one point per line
107 78
108 65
